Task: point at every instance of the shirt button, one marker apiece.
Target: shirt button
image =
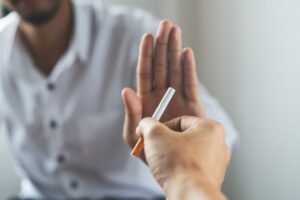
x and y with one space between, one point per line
74 184
50 86
61 159
53 124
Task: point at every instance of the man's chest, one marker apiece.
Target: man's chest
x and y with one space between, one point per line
80 113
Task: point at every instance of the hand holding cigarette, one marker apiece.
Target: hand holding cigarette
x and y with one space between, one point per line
162 64
156 115
187 156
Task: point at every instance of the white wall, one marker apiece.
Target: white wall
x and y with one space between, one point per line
248 56
250 60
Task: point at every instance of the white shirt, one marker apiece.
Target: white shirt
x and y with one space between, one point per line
65 130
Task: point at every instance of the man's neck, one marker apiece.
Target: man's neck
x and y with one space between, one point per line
48 42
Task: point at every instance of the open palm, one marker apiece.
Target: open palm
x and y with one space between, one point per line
162 63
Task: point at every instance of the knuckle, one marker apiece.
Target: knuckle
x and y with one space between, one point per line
175 73
191 84
190 69
175 52
217 129
154 130
160 67
211 125
161 41
218 125
144 75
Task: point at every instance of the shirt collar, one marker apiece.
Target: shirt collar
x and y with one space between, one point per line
10 35
82 32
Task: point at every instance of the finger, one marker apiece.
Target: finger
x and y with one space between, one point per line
190 75
161 55
150 128
183 123
152 132
144 67
133 115
175 59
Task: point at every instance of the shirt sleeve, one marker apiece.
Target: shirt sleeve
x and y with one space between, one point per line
3 106
1 115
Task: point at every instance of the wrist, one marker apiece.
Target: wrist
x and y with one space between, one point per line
190 186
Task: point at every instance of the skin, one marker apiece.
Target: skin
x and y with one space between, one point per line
187 156
36 12
48 39
162 63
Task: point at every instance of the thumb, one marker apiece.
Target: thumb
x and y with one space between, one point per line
156 137
133 115
149 128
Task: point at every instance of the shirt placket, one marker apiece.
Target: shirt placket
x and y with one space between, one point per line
53 123
54 126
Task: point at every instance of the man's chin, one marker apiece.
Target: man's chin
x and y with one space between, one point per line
32 13
25 2
38 19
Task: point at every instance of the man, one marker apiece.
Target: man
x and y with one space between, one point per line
187 156
63 66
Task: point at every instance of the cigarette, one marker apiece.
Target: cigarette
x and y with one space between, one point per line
156 115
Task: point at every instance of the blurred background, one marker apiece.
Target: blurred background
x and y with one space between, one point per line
248 54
